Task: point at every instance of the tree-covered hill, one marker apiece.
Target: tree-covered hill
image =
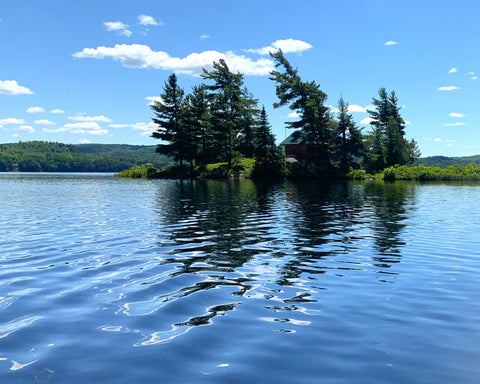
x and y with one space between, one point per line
444 161
40 156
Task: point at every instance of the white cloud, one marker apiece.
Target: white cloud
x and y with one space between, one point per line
44 122
148 20
12 121
56 111
142 56
145 129
474 78
286 45
366 120
453 70
35 110
472 146
117 26
356 108
11 87
85 127
101 118
449 88
453 124
84 141
352 108
454 114
407 122
437 140
26 128
293 115
391 42
205 37
471 73
153 99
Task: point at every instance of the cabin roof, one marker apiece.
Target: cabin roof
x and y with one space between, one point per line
294 138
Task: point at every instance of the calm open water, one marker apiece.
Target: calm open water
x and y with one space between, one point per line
106 280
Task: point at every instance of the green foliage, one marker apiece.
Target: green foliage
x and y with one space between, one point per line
357 174
40 156
387 145
144 171
309 170
168 115
423 173
308 101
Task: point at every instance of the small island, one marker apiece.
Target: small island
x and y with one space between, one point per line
219 131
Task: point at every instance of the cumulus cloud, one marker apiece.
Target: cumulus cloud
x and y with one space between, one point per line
153 99
26 128
454 114
44 122
453 124
84 128
391 42
437 140
100 118
366 120
11 87
148 20
11 121
205 37
35 110
286 45
449 88
57 111
453 70
142 56
352 108
145 129
293 115
117 26
474 78
84 141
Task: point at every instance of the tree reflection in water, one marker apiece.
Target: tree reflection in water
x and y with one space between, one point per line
238 235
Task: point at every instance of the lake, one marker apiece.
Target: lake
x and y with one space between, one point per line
106 280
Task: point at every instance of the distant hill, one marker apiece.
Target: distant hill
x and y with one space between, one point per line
443 161
41 156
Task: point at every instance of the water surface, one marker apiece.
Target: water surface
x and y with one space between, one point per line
133 281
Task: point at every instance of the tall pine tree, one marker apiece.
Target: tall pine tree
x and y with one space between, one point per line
168 115
308 101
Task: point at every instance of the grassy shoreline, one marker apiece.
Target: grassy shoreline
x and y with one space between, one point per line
245 167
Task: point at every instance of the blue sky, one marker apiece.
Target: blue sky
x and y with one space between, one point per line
77 72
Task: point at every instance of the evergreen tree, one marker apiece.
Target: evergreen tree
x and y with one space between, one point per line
197 120
231 110
307 100
168 115
349 142
389 146
267 155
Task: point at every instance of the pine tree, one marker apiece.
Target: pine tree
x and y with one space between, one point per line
307 99
233 111
197 119
349 138
168 115
389 145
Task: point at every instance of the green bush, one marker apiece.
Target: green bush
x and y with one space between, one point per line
143 171
423 173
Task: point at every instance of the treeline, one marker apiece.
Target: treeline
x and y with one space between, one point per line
220 121
444 161
40 156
